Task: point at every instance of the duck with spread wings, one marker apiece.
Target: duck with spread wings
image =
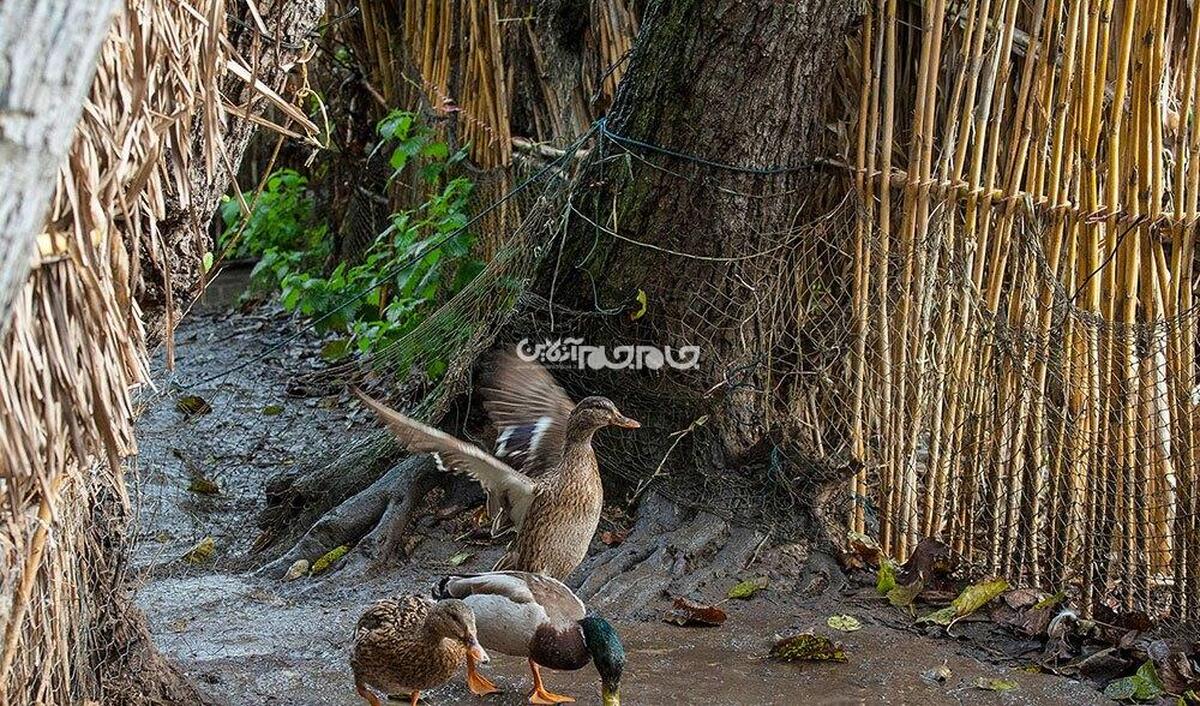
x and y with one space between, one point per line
554 501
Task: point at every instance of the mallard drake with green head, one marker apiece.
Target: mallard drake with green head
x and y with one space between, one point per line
539 618
410 643
555 506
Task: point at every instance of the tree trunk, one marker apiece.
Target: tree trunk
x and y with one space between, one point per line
47 58
730 254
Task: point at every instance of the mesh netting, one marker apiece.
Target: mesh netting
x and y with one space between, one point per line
999 357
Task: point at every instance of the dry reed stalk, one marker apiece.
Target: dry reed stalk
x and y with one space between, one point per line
1186 181
862 268
889 490
913 248
951 338
935 498
1067 381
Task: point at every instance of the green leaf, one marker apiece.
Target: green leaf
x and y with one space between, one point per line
329 559
435 369
641 310
887 577
399 159
435 150
748 588
903 596
459 558
945 616
974 597
808 647
201 552
335 350
845 623
1121 689
1050 601
192 405
203 486
970 600
1147 685
206 262
272 410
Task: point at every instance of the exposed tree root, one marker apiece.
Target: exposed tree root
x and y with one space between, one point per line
670 551
374 518
300 498
676 552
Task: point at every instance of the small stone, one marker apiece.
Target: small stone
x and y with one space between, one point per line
296 570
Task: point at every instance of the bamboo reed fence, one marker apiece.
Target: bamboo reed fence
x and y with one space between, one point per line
75 344
494 74
464 61
1024 364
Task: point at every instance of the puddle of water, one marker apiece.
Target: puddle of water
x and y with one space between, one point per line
251 642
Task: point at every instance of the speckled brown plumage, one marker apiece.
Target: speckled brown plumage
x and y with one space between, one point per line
397 650
557 512
558 527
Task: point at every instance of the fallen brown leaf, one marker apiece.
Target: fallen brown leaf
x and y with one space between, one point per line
690 613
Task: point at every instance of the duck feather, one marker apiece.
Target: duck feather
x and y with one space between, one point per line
508 489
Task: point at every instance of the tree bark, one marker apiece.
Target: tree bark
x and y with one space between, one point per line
48 53
741 89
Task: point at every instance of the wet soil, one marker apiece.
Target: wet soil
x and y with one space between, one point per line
247 639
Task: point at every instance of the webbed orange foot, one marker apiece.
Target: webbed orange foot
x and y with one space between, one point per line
476 682
540 695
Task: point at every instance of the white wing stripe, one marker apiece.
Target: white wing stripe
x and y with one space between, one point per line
539 430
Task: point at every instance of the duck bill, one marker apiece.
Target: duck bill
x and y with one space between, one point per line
627 423
610 697
475 650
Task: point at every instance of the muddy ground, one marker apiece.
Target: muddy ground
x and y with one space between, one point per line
247 639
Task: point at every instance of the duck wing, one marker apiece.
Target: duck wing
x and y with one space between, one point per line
507 489
530 413
519 588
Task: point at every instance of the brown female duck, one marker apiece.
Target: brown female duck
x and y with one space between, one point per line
555 503
410 643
